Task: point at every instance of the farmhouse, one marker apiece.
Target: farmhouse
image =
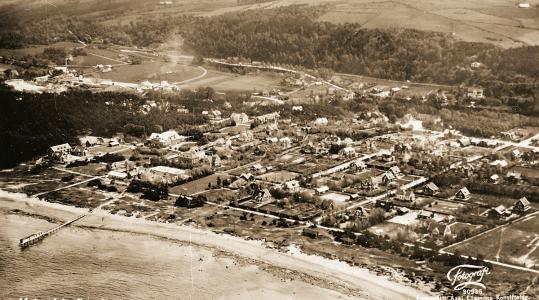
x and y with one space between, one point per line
247 176
166 174
59 151
405 195
166 138
386 155
388 178
358 165
465 142
425 215
463 194
114 143
214 160
498 212
431 189
189 202
193 156
475 93
494 178
271 117
285 141
348 152
395 171
262 195
522 205
321 190
79 151
258 168
499 162
292 185
91 141
371 183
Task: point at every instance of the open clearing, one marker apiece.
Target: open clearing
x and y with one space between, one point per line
223 81
279 176
197 186
517 243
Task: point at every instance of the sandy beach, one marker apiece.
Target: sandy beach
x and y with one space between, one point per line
347 281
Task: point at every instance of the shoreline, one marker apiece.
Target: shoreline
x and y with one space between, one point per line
327 273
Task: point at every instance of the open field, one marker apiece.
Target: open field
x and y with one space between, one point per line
528 172
224 81
493 21
75 196
199 185
517 243
444 207
492 200
38 49
338 198
279 176
499 22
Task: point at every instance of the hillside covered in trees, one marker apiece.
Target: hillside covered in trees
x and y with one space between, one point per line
292 35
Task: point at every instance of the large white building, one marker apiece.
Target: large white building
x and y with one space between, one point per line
166 138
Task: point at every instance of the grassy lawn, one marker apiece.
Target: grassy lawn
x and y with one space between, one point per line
92 169
279 176
220 195
492 200
444 207
76 196
197 186
224 81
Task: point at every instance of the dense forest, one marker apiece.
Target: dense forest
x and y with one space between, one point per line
293 35
38 121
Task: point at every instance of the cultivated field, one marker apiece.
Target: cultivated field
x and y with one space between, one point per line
492 21
517 243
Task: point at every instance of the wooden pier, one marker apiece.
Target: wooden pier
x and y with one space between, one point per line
37 237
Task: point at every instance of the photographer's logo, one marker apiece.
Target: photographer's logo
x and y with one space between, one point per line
464 276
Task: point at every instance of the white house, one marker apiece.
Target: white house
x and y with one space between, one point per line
117 175
463 194
292 185
475 93
348 152
114 143
166 138
321 190
321 122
